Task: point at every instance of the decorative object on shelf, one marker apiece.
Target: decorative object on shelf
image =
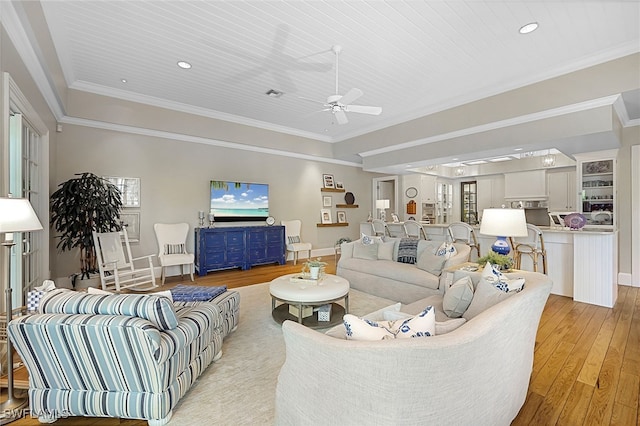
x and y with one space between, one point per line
594 167
395 218
349 198
270 220
503 223
339 185
412 207
575 220
326 201
369 218
201 217
314 268
411 192
341 240
16 215
212 220
327 181
503 261
342 217
325 216
382 205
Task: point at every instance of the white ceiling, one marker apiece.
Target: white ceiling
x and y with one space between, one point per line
409 57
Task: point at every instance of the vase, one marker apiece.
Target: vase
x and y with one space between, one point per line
314 271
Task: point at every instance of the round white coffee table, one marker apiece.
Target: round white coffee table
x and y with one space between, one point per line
302 294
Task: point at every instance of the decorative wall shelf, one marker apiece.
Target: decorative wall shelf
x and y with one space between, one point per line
347 206
327 225
331 190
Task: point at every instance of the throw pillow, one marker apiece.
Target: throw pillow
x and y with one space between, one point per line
431 263
339 330
368 239
442 327
446 250
173 248
385 250
458 297
165 293
365 251
421 325
493 275
486 296
361 329
293 239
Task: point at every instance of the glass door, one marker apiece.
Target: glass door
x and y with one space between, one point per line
469 202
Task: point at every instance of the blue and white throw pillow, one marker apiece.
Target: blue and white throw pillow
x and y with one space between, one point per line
446 249
421 325
494 276
293 239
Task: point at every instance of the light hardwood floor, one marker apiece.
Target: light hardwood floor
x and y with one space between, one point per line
586 368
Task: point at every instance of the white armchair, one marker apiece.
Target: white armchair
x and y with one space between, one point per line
172 247
292 234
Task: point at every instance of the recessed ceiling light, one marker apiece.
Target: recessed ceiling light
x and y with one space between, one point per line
529 28
517 149
124 80
274 93
184 65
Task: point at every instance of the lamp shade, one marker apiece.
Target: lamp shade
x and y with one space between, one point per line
504 223
382 204
17 215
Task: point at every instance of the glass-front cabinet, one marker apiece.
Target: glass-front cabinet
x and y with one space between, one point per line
444 202
469 202
597 192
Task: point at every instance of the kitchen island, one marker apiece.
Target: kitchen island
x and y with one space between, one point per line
582 264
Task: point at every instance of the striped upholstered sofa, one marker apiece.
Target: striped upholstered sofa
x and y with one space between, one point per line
129 356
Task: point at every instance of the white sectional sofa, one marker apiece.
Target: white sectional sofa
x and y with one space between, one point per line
381 274
477 374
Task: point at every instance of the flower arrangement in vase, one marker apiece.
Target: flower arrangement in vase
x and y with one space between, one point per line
314 268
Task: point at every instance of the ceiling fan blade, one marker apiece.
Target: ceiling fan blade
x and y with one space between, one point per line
341 117
364 109
351 96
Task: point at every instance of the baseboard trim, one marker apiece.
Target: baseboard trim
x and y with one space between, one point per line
626 279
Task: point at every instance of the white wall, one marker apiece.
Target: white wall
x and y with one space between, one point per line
175 179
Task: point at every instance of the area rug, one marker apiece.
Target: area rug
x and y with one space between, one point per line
239 389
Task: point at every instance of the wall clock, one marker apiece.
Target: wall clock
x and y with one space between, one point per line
411 192
270 220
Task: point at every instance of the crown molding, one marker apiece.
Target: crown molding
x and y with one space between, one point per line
201 140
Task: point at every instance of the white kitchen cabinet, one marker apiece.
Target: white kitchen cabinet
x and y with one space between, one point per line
428 189
490 192
529 185
597 186
562 191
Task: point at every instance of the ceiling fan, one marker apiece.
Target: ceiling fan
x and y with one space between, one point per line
339 105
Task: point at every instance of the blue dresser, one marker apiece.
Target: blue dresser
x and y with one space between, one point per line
238 247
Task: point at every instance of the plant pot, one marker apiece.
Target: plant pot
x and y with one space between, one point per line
314 271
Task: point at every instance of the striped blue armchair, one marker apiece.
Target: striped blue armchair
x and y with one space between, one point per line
129 356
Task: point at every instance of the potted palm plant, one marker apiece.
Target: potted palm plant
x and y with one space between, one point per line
80 206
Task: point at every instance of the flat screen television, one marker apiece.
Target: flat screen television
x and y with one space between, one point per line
238 201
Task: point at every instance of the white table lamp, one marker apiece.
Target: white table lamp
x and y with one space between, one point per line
382 205
16 215
503 223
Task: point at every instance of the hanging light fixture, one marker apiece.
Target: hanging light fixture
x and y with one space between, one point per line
549 160
459 171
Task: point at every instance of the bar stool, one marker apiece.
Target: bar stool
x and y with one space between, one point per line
533 246
461 232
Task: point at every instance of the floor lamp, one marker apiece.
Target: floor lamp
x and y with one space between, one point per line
16 215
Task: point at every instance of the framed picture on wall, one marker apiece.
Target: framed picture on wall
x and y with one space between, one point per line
129 189
326 201
328 181
342 217
325 216
131 221
339 185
